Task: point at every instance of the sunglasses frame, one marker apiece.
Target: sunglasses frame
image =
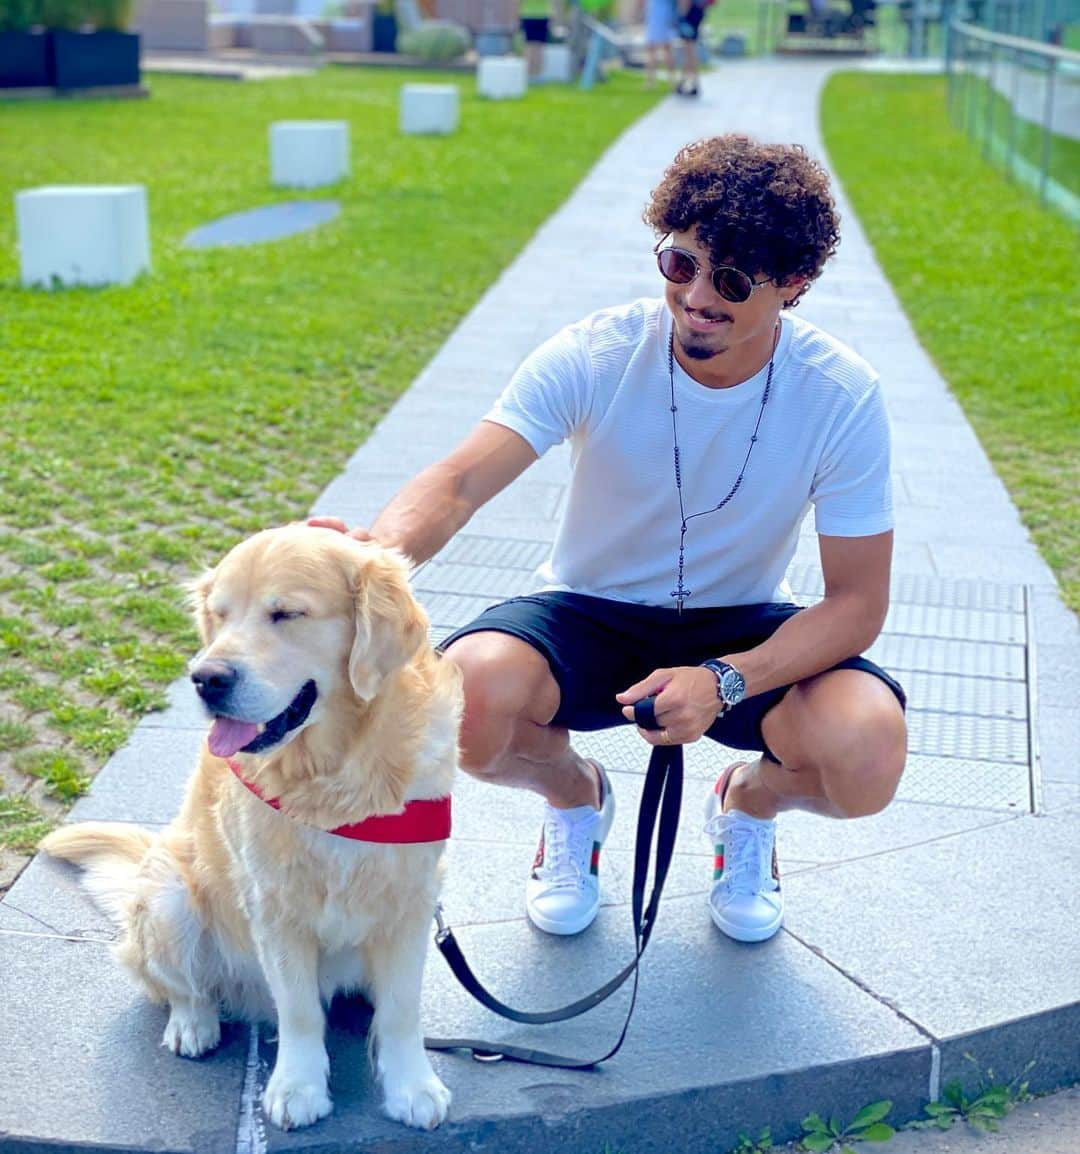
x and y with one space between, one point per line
659 250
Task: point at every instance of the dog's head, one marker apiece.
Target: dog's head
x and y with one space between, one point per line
291 618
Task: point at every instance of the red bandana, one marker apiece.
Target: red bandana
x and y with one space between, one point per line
420 821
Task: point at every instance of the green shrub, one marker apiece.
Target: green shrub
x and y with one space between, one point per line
69 14
434 40
19 15
109 14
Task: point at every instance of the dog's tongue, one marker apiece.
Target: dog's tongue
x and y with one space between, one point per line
228 735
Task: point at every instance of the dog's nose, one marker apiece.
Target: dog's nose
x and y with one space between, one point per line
214 681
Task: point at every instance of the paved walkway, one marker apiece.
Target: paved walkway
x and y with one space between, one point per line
946 925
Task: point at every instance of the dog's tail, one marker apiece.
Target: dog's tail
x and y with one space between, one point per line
110 852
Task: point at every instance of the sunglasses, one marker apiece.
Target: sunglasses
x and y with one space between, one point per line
681 267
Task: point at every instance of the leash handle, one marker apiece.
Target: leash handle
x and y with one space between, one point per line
661 797
645 712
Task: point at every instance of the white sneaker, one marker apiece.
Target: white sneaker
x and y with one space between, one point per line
562 895
745 900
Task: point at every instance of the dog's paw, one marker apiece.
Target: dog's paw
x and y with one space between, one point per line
291 1105
192 1030
422 1103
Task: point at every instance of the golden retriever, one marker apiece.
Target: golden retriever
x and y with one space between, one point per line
329 702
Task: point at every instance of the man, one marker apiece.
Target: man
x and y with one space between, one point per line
704 425
692 13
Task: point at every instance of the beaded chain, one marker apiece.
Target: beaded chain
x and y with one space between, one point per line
681 593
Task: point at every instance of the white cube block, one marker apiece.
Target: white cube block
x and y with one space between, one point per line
502 77
557 66
82 234
308 153
429 108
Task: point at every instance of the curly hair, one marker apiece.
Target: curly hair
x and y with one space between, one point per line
766 208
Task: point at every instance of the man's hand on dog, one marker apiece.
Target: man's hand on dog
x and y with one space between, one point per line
339 526
686 703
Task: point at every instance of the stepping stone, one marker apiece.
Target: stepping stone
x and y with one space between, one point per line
502 77
258 225
308 153
82 234
429 108
557 66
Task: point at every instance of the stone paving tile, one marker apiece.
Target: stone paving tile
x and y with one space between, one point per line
144 781
49 893
1059 742
99 1075
985 949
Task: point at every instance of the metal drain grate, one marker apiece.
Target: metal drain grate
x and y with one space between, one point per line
961 649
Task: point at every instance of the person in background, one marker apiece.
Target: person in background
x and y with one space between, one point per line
659 16
689 29
536 17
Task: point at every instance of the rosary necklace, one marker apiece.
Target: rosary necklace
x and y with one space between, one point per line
681 593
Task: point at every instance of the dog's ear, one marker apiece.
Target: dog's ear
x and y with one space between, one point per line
390 624
197 593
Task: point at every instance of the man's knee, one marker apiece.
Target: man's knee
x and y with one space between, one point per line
506 682
849 728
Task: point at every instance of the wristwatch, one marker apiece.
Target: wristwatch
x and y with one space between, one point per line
730 683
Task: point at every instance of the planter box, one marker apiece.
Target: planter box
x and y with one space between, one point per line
94 59
24 60
383 32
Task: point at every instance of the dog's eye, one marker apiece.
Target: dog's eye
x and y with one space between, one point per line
277 615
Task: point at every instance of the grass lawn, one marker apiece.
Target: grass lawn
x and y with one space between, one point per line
988 278
146 429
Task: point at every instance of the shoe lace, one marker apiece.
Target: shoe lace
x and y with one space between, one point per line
567 848
747 853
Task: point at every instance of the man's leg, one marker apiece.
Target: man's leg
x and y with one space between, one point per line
841 741
506 738
510 699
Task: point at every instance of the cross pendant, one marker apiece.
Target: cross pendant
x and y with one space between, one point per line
680 596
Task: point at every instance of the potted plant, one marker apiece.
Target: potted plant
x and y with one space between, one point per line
384 27
24 45
90 47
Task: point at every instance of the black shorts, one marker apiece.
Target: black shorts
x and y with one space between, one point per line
597 648
535 29
689 23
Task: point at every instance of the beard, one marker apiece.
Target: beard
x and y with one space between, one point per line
698 350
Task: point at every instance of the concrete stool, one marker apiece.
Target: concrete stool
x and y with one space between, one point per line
82 234
557 64
308 153
427 108
502 77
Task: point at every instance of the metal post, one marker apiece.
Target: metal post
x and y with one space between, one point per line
970 94
1048 121
991 92
917 29
950 72
1014 99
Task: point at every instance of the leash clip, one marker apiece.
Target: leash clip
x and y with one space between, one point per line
442 930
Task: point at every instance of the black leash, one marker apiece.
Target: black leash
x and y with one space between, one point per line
661 796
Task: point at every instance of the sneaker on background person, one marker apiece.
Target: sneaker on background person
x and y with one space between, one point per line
562 895
745 900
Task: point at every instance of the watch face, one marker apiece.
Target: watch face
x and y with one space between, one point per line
732 686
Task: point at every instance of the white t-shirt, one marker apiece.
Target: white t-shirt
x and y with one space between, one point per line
603 384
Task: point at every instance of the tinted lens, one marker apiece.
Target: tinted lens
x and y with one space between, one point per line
732 285
676 266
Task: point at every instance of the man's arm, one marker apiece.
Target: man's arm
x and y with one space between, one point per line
428 510
844 623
